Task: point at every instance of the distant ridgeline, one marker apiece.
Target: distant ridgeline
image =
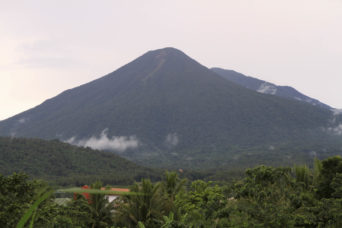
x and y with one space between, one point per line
166 110
64 164
266 87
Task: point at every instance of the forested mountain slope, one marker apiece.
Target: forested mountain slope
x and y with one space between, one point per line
166 109
64 164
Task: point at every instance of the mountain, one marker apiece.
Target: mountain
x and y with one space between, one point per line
64 164
165 109
266 87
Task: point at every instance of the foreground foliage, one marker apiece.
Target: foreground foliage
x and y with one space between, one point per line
265 197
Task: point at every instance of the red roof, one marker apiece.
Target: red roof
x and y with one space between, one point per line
116 189
87 195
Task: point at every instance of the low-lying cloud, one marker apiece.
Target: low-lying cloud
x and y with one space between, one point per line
335 127
103 142
337 130
267 88
22 120
172 139
337 112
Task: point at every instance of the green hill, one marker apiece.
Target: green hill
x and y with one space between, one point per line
167 110
64 164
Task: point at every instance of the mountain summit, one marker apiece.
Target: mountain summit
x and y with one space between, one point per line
166 107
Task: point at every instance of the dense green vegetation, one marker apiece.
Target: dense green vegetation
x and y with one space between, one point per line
265 197
64 164
179 111
235 158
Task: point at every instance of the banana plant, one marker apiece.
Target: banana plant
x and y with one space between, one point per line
42 195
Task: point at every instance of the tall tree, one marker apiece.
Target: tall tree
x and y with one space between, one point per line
330 168
16 195
144 205
100 208
170 187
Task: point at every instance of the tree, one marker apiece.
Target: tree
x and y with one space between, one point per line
202 205
144 205
170 187
101 211
331 167
16 196
265 198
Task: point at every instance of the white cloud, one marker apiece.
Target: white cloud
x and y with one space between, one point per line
118 143
172 139
337 112
22 120
267 88
71 140
271 147
335 127
336 130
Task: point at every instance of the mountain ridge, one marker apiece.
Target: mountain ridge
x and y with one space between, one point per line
262 86
175 108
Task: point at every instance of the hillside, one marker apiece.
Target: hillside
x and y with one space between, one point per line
165 109
64 164
266 87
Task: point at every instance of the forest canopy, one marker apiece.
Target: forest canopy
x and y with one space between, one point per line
265 197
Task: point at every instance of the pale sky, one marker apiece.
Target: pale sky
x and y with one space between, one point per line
49 46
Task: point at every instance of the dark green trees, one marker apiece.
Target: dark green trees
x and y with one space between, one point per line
101 211
329 178
171 186
266 197
16 195
144 206
151 204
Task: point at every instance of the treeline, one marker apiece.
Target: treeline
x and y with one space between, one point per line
265 197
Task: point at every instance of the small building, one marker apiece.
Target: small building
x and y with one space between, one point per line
111 197
114 196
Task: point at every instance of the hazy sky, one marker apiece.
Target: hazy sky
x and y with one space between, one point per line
49 46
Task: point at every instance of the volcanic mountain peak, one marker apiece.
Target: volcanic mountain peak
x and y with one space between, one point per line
163 54
167 61
166 51
167 103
